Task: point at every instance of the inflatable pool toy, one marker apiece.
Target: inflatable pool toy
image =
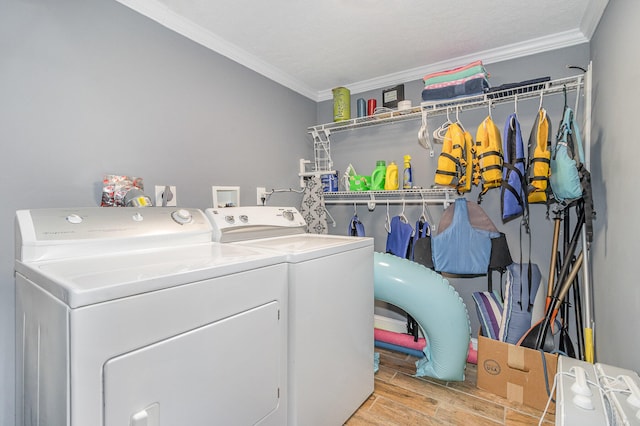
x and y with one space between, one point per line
437 308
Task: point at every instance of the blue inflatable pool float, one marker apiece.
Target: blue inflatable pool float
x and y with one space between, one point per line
437 308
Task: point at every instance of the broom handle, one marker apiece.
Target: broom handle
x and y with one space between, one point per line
554 254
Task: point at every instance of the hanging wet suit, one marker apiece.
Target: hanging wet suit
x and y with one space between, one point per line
399 237
356 228
422 232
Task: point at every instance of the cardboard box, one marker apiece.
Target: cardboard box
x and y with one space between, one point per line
515 372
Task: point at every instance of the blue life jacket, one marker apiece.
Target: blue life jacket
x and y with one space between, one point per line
461 249
399 237
567 156
514 186
522 286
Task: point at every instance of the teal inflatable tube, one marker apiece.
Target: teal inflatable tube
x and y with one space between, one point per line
437 308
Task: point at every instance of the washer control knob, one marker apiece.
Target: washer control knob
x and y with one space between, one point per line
244 218
74 218
288 214
138 217
230 219
182 216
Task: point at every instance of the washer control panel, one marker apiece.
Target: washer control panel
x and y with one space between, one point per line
99 230
248 223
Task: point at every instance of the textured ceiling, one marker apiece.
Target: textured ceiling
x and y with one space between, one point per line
313 46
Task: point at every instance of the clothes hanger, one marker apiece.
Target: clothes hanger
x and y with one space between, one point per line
458 122
423 215
439 133
403 218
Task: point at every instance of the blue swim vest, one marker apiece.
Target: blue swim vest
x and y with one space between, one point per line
462 249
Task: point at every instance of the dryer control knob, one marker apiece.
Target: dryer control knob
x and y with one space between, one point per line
138 217
244 218
182 216
74 218
230 219
288 214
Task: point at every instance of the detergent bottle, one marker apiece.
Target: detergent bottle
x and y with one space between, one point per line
391 178
407 182
378 176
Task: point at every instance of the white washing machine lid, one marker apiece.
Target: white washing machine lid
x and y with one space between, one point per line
89 280
303 247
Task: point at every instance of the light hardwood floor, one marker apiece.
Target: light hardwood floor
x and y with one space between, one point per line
401 399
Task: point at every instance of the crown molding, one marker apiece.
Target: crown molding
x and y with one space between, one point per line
158 12
592 17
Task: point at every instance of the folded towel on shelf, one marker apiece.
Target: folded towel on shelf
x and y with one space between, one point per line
465 73
446 73
468 80
474 86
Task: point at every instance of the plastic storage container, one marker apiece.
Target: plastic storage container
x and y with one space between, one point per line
341 104
407 180
391 177
378 176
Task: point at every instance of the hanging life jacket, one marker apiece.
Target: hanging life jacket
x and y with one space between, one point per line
512 196
462 249
570 179
455 163
488 150
566 157
538 166
399 238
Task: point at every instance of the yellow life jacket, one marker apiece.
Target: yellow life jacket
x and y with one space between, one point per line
489 155
455 163
538 170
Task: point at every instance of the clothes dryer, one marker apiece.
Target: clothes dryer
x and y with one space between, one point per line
130 316
331 306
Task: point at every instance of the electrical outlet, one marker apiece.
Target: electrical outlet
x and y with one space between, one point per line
171 197
261 194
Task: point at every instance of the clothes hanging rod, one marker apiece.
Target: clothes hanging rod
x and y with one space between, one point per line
440 196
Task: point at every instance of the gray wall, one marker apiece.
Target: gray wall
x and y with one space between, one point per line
363 147
90 87
615 170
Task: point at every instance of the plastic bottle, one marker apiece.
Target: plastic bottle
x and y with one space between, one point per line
407 181
378 176
391 178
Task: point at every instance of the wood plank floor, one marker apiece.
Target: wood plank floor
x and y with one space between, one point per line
401 399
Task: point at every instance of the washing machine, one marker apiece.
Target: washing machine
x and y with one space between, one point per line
135 317
331 304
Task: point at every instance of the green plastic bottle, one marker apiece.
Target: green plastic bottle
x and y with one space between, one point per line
378 175
391 177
